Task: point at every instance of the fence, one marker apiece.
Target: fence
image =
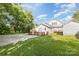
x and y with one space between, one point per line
38 33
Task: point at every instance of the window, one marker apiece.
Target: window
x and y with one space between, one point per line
45 28
54 23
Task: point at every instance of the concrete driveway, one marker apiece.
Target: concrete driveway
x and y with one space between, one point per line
7 39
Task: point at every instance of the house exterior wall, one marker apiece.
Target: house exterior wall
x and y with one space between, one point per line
71 28
42 28
55 23
57 30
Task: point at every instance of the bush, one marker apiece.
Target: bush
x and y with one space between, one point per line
59 33
5 30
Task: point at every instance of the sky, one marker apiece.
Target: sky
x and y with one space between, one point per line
45 12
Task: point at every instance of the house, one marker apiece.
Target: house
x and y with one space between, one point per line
52 26
56 25
43 28
71 28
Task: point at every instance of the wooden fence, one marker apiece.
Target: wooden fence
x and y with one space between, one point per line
38 33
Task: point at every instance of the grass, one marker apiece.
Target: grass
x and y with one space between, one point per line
53 45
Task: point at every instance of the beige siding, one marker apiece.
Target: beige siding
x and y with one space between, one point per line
55 23
71 28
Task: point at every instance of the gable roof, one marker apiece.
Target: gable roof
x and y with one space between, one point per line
72 22
47 25
50 26
56 20
56 26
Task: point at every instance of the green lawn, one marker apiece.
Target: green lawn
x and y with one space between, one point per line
53 45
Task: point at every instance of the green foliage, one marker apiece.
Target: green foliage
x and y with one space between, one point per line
18 19
76 16
53 45
5 29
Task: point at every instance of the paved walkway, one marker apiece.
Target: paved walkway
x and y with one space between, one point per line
7 39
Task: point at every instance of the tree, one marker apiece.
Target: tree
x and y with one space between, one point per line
4 28
15 17
76 16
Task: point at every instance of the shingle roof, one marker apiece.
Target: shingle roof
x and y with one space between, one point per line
50 26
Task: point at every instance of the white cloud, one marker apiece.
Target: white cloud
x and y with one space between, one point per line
63 5
38 4
65 8
60 13
67 19
31 6
68 6
55 11
56 4
43 16
71 5
28 5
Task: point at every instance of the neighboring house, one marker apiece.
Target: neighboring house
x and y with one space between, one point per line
43 28
71 28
